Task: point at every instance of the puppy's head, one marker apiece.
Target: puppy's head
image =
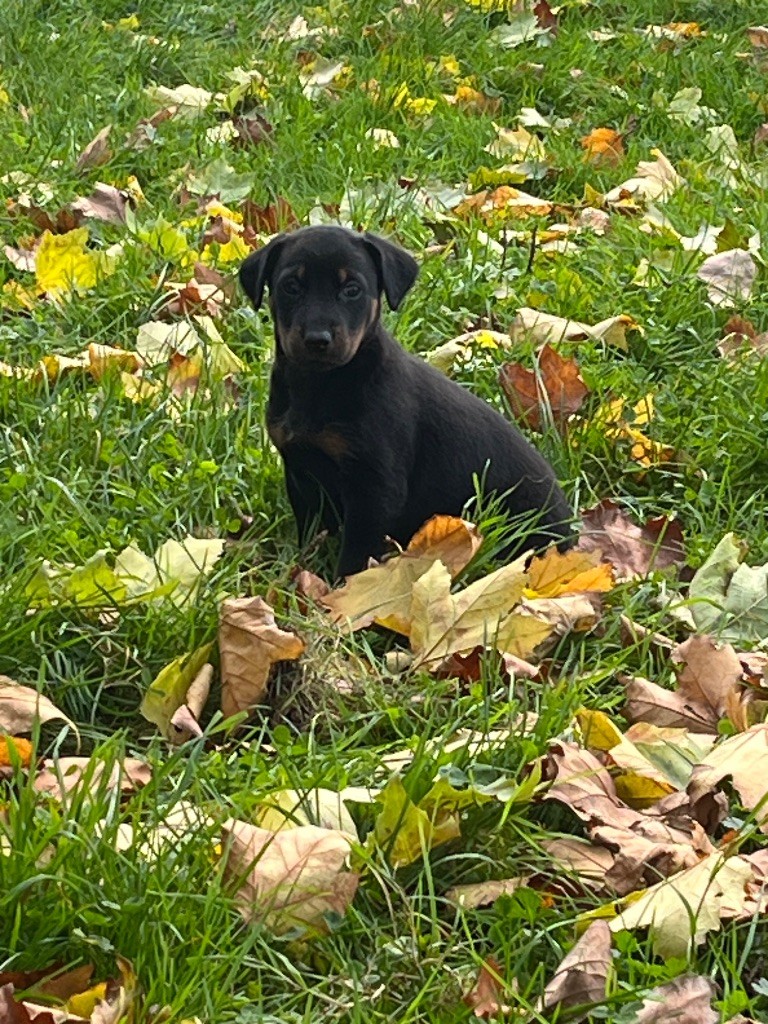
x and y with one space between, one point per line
325 285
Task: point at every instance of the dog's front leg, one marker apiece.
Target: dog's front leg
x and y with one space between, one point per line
370 510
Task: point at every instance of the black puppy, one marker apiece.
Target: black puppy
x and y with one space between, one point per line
371 436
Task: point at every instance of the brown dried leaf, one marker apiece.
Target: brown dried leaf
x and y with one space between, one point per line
50 981
632 550
252 130
63 775
649 702
482 894
250 642
291 877
485 998
587 860
21 259
684 1000
21 706
555 389
758 37
711 679
268 220
105 203
97 152
743 758
185 721
582 976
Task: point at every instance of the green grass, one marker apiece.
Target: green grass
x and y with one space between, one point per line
82 468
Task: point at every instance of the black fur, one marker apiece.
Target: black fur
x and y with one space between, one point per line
371 436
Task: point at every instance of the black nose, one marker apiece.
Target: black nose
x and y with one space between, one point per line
317 341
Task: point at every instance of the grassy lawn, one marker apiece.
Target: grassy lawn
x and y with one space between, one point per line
84 469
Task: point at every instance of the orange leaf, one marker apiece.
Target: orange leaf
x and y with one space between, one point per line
603 146
22 748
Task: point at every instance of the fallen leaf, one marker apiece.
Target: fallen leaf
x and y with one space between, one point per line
535 325
603 147
681 911
453 541
105 203
587 860
632 550
168 690
743 759
727 597
13 749
97 152
382 594
63 264
649 702
289 878
570 572
758 37
483 894
465 346
187 100
22 706
503 203
729 276
582 977
555 389
289 808
270 219
63 775
740 338
250 642
405 832
654 181
686 999
485 999
711 677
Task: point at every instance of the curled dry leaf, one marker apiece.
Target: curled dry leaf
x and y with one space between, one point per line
582 976
729 276
250 642
743 758
465 346
555 389
632 550
289 878
544 327
485 999
97 152
63 775
686 1000
168 691
185 721
455 542
22 706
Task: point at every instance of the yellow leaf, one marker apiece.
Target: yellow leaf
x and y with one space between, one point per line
63 265
84 1003
573 572
167 691
233 251
639 791
404 832
597 730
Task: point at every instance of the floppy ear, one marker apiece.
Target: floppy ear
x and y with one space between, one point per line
257 269
397 268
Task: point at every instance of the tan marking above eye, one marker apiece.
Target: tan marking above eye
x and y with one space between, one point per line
343 275
300 271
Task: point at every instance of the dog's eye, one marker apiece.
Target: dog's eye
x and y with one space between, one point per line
291 286
351 290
